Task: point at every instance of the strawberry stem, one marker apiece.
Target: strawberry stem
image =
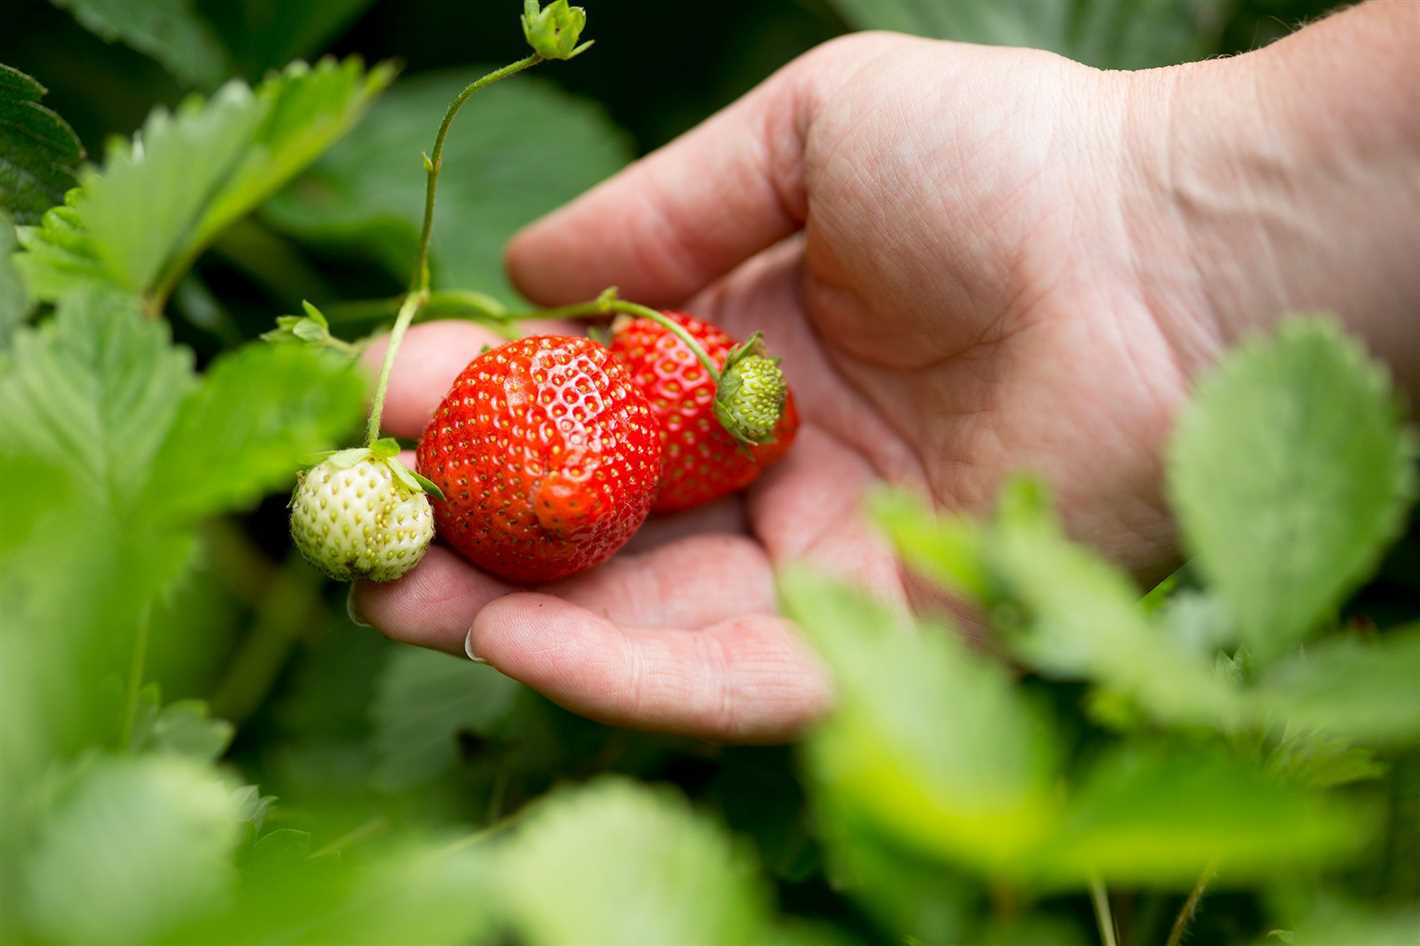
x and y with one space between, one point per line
607 303
419 292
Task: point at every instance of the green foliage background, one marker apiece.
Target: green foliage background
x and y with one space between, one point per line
198 746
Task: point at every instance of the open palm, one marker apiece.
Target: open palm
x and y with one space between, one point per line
915 258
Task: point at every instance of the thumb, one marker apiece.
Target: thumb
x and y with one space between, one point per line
673 222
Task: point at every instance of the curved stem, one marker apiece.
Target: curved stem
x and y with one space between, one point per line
419 286
606 306
434 163
1190 906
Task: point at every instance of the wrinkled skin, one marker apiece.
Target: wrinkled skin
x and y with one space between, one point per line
973 261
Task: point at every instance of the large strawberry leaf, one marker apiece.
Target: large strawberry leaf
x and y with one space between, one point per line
95 390
675 878
931 744
261 413
1290 475
1117 34
170 31
1364 690
1164 815
142 844
424 702
518 151
39 153
139 222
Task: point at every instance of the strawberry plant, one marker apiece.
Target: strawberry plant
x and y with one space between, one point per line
200 744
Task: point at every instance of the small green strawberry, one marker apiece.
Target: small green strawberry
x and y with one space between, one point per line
362 514
749 400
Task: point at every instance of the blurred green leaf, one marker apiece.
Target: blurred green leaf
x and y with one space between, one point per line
1290 475
1162 815
518 151
1114 34
159 200
617 862
1083 619
136 846
422 892
261 412
910 895
1357 925
266 34
95 390
185 728
169 31
39 153
933 745
425 700
1364 690
949 551
1031 931
14 303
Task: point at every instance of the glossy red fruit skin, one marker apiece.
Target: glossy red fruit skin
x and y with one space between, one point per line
547 455
700 460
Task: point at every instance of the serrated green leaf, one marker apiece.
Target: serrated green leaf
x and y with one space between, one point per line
140 844
260 412
14 303
933 745
424 701
1362 690
630 864
169 31
39 152
1161 816
518 151
139 223
1115 34
1290 475
95 390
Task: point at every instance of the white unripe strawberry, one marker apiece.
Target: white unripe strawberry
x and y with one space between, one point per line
362 514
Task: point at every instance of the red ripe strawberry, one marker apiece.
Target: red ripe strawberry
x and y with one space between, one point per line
547 456
701 460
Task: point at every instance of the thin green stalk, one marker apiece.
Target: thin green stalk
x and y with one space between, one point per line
412 302
435 163
1099 897
135 675
608 306
419 286
1190 906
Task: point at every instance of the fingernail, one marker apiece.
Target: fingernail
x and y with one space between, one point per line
352 612
468 649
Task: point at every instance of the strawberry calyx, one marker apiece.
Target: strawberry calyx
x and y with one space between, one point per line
384 450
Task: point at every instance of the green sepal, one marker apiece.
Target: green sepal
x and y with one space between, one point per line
345 459
414 482
384 448
553 31
311 329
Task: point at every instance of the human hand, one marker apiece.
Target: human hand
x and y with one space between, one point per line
971 264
